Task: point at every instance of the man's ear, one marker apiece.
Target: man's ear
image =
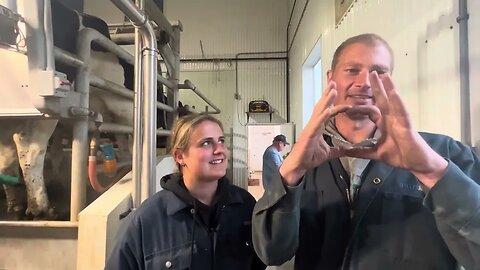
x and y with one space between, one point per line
329 75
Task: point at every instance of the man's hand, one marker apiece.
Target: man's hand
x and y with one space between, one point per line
311 150
399 145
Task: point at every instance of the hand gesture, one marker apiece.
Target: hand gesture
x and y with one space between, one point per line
311 150
399 145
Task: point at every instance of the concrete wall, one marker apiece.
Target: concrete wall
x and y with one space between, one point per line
34 246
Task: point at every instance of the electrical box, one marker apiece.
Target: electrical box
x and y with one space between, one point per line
8 24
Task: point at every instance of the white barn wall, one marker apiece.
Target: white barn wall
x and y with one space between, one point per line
227 28
424 37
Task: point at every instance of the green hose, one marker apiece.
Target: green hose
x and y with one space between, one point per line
8 179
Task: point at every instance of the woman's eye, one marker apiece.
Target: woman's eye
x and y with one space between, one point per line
205 143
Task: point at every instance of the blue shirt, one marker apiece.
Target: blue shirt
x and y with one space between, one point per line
272 159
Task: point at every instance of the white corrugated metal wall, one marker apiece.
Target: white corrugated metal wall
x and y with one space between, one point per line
424 37
219 31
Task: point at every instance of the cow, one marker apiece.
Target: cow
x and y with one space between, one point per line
25 142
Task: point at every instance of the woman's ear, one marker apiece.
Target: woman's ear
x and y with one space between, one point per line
178 156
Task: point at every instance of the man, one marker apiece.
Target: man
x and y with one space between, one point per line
362 189
272 159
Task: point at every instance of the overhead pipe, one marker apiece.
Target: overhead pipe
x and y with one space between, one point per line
237 94
109 45
124 129
465 114
149 65
189 85
119 90
157 16
102 84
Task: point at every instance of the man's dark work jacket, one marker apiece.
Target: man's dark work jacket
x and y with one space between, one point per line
171 231
397 223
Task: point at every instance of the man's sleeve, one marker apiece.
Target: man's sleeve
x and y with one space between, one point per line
455 203
276 219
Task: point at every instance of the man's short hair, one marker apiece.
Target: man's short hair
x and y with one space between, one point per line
368 39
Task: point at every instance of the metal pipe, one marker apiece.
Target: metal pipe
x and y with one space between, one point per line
80 132
149 65
137 119
237 94
72 60
132 12
47 25
149 162
157 16
165 81
103 41
189 85
168 57
67 58
124 129
174 74
127 38
465 118
124 24
229 59
119 90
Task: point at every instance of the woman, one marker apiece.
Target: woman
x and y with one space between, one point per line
199 221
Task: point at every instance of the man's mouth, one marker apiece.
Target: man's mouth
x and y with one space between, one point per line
360 96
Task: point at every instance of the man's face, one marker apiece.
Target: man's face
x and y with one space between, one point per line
281 146
352 72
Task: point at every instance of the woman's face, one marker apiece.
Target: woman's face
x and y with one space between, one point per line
206 157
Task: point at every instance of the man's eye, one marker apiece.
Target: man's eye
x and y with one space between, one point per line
380 71
221 141
352 70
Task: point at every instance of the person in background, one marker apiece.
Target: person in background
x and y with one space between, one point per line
362 189
199 220
272 159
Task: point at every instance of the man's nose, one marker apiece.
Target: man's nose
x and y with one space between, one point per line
363 79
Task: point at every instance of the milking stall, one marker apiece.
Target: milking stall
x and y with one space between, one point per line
90 90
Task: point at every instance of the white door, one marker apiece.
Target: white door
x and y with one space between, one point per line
260 137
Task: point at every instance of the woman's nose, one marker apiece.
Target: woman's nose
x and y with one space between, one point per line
219 148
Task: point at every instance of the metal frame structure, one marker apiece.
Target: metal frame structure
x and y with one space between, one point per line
57 102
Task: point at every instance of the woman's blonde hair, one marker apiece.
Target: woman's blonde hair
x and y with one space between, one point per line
183 129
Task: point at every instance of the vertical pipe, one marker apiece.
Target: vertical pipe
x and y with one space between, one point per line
80 131
148 175
137 120
47 26
174 75
462 20
149 63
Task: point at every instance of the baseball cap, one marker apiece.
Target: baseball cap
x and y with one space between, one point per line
281 138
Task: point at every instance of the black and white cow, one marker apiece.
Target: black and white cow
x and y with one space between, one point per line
25 142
